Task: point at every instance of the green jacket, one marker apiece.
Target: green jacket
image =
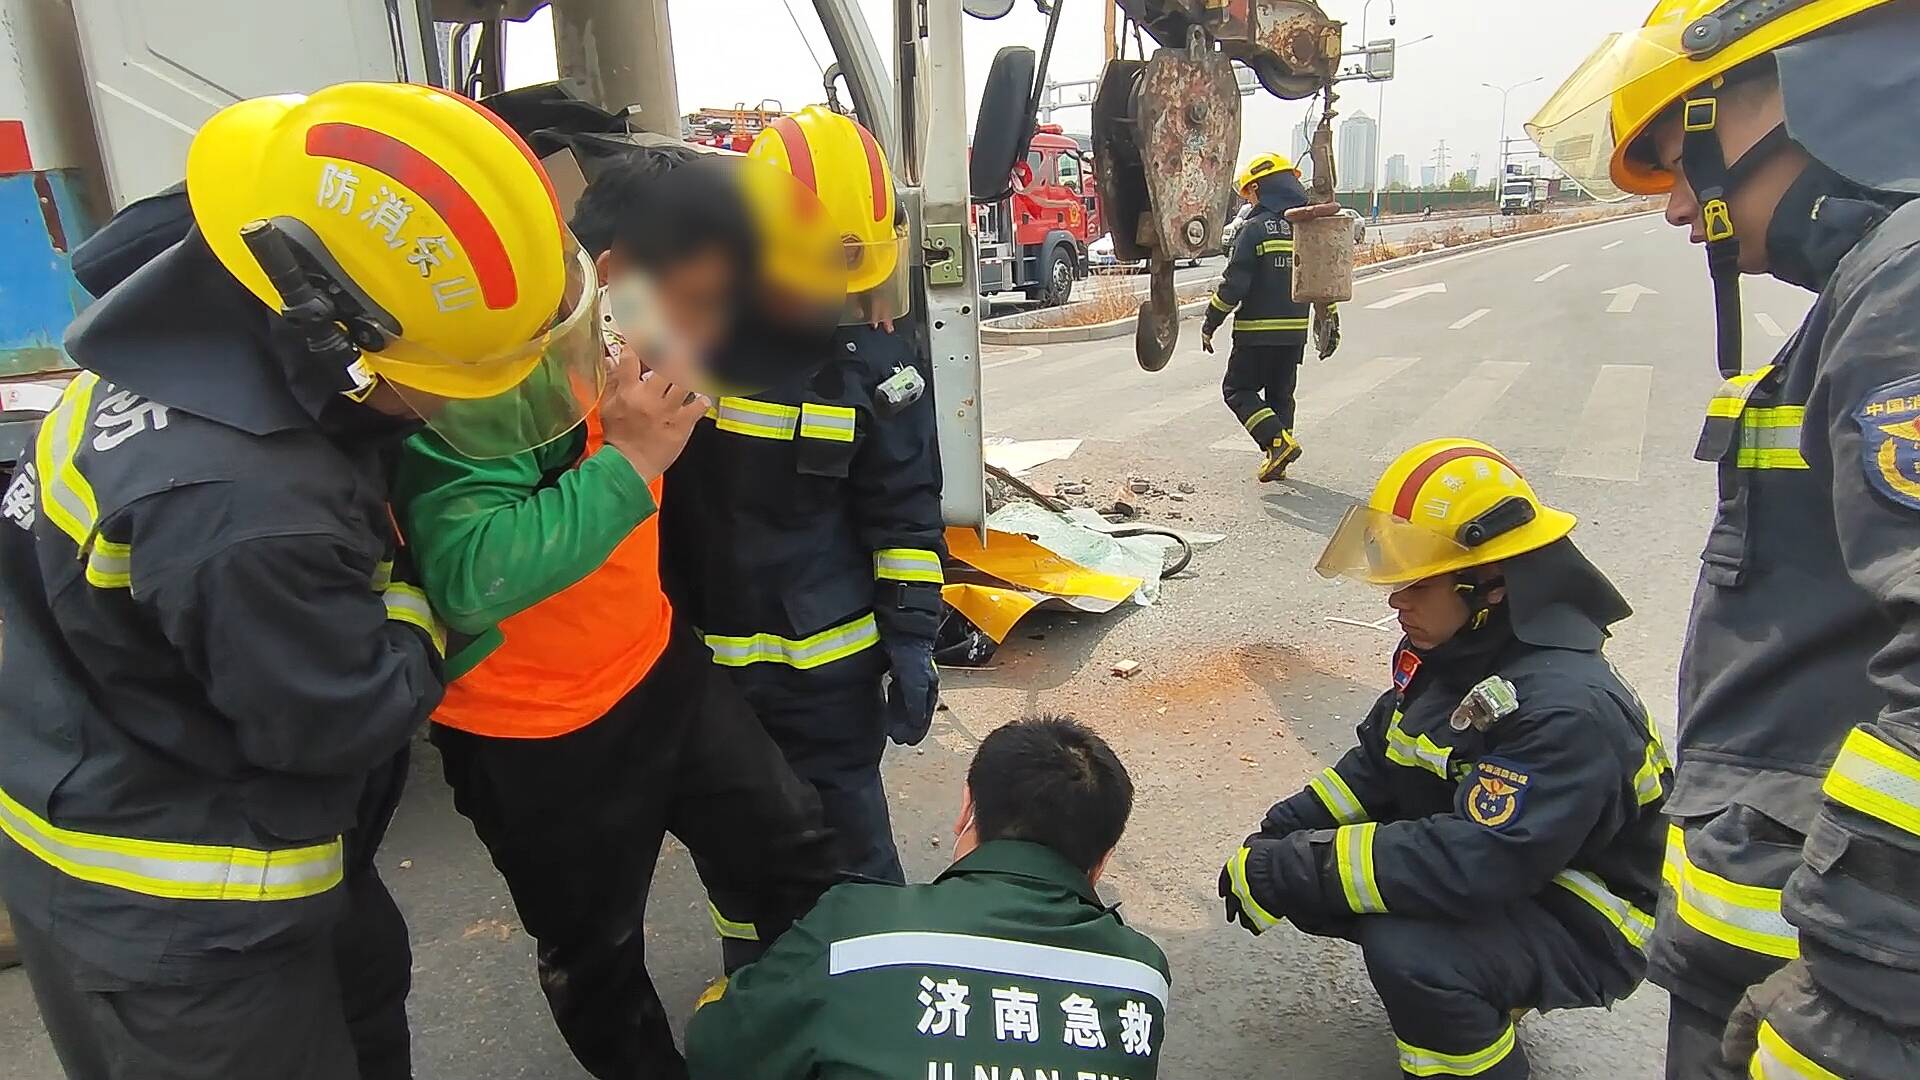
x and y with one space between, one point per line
493 538
1007 966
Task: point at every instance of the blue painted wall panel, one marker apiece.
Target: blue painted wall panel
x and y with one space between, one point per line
38 295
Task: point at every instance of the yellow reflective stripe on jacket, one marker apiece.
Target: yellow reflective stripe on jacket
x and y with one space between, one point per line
406 603
908 564
1877 779
382 575
65 495
1269 324
1770 437
1634 925
1419 1061
110 564
1778 1059
835 423
171 870
728 928
1415 752
1647 785
1733 394
1334 794
1237 877
1353 859
1259 418
1744 916
1219 304
1269 247
834 643
759 419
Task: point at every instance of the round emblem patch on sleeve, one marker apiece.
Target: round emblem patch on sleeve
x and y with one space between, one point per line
1889 422
1495 793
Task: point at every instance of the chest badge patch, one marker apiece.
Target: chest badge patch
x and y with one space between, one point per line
1889 422
1498 793
1406 663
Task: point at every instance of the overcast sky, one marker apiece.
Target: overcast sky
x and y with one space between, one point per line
746 50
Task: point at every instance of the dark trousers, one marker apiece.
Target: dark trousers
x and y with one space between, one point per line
575 823
831 725
1693 1044
1259 387
332 1008
1451 988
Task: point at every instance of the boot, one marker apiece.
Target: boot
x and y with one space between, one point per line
9 949
1284 452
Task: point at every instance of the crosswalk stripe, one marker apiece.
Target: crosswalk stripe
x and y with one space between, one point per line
1321 398
1469 319
1459 409
1767 325
1553 271
1612 431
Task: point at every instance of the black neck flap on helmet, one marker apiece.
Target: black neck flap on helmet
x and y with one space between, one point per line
1559 600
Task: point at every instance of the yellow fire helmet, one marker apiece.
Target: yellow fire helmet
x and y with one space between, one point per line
1261 165
1443 506
422 225
841 162
1588 127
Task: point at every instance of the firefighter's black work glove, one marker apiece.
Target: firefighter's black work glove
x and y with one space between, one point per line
912 688
1238 895
1206 341
1326 331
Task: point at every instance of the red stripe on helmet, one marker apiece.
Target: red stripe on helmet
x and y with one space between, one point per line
519 144
1410 487
876 173
437 188
799 154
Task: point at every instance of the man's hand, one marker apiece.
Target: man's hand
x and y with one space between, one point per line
1206 341
647 415
912 691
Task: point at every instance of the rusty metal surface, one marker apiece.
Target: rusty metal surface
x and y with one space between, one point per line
1189 131
1157 329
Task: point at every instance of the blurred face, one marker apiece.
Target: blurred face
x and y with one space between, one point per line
1745 116
696 298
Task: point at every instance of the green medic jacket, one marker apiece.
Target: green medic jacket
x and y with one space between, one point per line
1007 966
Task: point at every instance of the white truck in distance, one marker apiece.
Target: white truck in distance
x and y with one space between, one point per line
1527 194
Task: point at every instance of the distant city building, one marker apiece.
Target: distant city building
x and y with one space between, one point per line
1358 160
1473 177
1397 170
1429 176
1302 140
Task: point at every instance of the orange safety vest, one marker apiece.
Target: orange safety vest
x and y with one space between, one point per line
565 661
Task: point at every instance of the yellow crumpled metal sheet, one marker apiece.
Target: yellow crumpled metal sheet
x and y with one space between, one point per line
1032 576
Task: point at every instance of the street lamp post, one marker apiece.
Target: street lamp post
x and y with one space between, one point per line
1373 181
1379 128
1504 91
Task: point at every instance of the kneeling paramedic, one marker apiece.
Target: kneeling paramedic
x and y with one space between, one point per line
1269 327
1782 138
583 719
1493 842
805 534
215 664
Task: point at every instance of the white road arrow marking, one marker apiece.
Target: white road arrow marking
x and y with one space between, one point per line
1610 247
1626 296
1469 320
1407 294
1767 325
1553 271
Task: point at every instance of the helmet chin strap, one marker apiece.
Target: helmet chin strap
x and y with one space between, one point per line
1713 182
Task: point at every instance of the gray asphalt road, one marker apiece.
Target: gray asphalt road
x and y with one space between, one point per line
1253 670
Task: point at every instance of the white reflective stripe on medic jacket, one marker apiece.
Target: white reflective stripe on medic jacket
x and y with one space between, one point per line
65 495
1334 794
908 564
1878 779
1770 437
1001 956
1353 860
1634 925
1415 751
759 419
834 423
834 643
1744 916
171 870
1419 1061
406 603
1778 1059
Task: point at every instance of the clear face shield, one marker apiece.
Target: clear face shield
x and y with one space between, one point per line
1575 128
876 280
522 397
1388 552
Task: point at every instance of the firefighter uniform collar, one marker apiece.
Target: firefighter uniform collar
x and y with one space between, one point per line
1025 859
1466 657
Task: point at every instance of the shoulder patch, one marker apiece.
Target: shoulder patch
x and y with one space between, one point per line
1889 422
1496 794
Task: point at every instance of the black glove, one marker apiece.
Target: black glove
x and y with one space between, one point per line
1238 896
1206 341
1326 331
912 689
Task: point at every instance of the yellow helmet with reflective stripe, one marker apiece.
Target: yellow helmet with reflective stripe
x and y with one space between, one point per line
1262 165
1444 506
1590 124
841 162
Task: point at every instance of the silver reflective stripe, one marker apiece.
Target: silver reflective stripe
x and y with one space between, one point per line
174 870
908 564
1877 779
1338 798
1741 915
1770 437
1415 751
759 419
406 603
1419 1061
972 952
1778 1059
110 564
822 648
65 495
834 423
1634 925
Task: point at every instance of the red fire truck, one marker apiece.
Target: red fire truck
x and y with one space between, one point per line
1036 238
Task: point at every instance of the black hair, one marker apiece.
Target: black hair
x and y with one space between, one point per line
661 205
1050 780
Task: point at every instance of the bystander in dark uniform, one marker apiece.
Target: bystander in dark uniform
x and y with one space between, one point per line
1493 842
214 663
1783 137
1007 964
